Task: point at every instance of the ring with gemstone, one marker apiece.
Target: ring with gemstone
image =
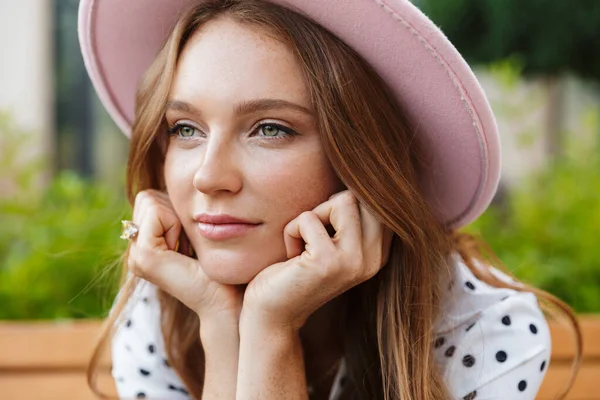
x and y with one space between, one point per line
129 230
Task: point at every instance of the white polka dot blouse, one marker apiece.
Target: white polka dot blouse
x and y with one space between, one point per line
491 343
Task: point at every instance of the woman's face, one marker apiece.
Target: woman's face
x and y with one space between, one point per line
242 142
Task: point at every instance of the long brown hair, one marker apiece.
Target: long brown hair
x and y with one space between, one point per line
371 146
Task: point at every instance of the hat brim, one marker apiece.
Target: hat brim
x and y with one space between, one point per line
432 82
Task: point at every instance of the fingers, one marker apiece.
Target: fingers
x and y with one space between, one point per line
363 240
145 197
341 211
307 228
159 231
159 225
376 241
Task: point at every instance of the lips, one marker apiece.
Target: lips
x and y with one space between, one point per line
224 231
218 219
223 226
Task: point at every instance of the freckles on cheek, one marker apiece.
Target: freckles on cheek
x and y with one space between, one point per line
297 189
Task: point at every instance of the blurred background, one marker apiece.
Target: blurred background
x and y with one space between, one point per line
62 159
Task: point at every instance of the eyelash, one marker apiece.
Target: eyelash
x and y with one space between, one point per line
174 129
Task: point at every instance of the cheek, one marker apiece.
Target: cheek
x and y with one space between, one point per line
178 175
277 189
300 186
282 192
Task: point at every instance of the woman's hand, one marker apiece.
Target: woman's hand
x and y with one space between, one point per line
320 267
153 256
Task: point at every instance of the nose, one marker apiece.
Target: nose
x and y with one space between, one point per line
219 170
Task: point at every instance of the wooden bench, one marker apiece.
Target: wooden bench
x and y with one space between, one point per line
563 347
47 360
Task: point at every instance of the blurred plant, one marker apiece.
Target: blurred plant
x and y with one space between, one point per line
547 232
549 39
56 241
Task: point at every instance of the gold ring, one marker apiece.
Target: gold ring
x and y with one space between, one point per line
129 230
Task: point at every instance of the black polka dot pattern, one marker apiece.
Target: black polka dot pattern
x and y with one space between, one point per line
177 389
151 375
468 361
498 343
522 386
501 356
471 395
533 329
439 342
482 343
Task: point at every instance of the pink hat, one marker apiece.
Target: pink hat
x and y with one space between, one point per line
120 38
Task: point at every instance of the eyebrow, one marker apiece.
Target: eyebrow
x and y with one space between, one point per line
245 107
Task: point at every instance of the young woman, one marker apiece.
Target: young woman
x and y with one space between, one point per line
298 171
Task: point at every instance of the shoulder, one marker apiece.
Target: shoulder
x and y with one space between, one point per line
467 297
488 334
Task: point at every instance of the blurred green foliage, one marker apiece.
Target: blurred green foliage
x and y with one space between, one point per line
549 37
546 231
57 240
60 248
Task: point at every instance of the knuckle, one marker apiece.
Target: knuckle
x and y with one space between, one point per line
149 196
139 197
346 198
307 216
288 227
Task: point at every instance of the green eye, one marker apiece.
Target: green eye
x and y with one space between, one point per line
270 130
186 131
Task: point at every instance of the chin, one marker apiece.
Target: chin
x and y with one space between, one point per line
231 269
